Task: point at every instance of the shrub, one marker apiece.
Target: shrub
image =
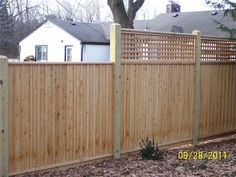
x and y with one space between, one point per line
149 150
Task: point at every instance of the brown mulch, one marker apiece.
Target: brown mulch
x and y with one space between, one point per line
132 165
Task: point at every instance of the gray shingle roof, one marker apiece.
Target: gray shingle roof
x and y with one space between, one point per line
186 22
86 32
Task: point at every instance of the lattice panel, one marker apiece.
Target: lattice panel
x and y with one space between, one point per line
214 49
142 45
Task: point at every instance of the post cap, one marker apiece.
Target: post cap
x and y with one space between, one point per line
196 32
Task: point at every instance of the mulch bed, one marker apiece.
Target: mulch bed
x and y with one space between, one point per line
132 165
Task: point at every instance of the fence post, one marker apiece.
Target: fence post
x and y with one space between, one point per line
115 56
197 89
3 116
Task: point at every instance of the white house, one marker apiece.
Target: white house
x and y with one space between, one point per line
59 41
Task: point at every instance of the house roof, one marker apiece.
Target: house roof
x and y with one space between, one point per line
183 22
186 22
85 32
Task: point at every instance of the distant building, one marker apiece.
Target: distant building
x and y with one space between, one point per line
59 41
186 22
172 7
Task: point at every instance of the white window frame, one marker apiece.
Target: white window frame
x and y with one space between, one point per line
42 56
67 54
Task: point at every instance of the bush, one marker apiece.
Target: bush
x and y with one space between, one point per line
149 150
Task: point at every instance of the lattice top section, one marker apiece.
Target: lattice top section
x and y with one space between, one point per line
214 49
142 45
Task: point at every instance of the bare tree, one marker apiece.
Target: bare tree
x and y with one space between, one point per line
83 11
123 16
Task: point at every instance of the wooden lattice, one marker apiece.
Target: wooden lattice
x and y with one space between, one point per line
220 49
142 45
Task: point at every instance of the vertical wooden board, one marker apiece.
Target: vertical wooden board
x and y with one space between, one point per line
230 97
25 121
85 114
148 101
131 126
234 98
136 107
160 96
103 102
49 113
191 97
17 122
217 99
63 113
11 116
151 107
77 90
181 109
97 110
42 145
139 104
220 96
125 113
111 107
176 92
156 105
189 101
165 102
127 108
91 112
233 117
144 100
222 104
216 103
204 97
34 87
207 105
70 113
227 98
58 132
170 108
123 96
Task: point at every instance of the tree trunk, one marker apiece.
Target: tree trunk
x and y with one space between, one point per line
125 19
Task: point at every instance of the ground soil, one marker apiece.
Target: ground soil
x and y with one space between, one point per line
132 165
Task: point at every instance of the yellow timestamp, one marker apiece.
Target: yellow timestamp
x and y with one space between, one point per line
202 155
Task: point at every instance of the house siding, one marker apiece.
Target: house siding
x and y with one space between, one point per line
55 38
93 52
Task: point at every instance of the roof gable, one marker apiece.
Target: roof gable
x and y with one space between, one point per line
85 32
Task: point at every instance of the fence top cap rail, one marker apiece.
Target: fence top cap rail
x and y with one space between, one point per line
61 63
156 32
177 34
217 38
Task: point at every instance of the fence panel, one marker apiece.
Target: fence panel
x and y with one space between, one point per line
59 113
157 102
218 99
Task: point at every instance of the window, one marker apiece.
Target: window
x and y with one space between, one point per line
41 52
68 53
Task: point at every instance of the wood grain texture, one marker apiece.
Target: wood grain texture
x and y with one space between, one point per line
57 114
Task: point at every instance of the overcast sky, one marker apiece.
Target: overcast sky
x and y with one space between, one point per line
149 10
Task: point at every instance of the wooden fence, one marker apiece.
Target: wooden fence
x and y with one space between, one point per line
62 114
